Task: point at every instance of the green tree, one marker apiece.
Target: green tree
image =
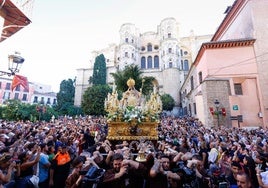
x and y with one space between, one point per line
93 99
168 102
10 111
133 71
99 71
26 112
65 99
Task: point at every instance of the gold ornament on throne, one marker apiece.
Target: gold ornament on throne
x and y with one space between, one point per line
132 117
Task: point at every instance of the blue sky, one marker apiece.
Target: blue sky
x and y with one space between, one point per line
64 32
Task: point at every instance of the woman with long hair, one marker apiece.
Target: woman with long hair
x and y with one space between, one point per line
250 169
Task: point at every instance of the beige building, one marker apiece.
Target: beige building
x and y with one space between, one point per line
163 54
232 69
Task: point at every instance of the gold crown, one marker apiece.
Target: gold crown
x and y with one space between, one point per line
130 82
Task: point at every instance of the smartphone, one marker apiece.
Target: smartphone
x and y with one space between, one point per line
259 166
223 185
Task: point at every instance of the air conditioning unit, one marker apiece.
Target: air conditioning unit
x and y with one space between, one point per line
260 115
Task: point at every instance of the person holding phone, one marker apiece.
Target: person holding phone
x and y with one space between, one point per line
262 178
75 177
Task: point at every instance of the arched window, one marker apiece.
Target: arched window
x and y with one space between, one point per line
186 65
156 62
149 62
149 47
143 63
170 65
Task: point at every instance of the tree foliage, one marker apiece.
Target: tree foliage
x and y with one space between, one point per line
93 99
65 97
168 102
15 110
133 71
99 71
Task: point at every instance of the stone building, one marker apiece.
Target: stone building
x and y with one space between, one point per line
163 54
227 84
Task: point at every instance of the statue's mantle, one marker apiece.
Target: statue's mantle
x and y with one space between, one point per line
132 130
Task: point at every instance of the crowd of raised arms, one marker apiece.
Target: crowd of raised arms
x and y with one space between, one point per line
74 152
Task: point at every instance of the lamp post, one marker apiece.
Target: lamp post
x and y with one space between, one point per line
217 105
14 63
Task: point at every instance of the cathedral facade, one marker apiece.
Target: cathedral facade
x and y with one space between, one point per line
163 54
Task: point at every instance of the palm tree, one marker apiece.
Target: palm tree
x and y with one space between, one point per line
133 71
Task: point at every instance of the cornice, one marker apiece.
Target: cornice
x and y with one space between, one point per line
223 44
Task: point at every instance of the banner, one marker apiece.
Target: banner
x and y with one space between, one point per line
20 80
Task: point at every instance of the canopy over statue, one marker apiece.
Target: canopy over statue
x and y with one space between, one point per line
132 117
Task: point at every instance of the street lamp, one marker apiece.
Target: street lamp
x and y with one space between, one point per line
14 63
217 105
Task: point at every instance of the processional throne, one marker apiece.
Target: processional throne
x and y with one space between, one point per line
133 117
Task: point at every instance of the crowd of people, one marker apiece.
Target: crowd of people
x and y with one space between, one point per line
74 152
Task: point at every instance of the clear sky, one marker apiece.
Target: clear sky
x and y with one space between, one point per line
64 32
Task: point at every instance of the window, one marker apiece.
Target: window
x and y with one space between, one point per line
54 101
6 95
156 47
156 61
142 48
190 110
126 54
126 40
185 52
149 47
169 50
48 101
169 35
194 108
186 65
8 86
132 41
170 64
16 96
132 55
238 89
192 83
35 99
185 110
24 97
17 88
200 77
143 63
42 100
150 63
